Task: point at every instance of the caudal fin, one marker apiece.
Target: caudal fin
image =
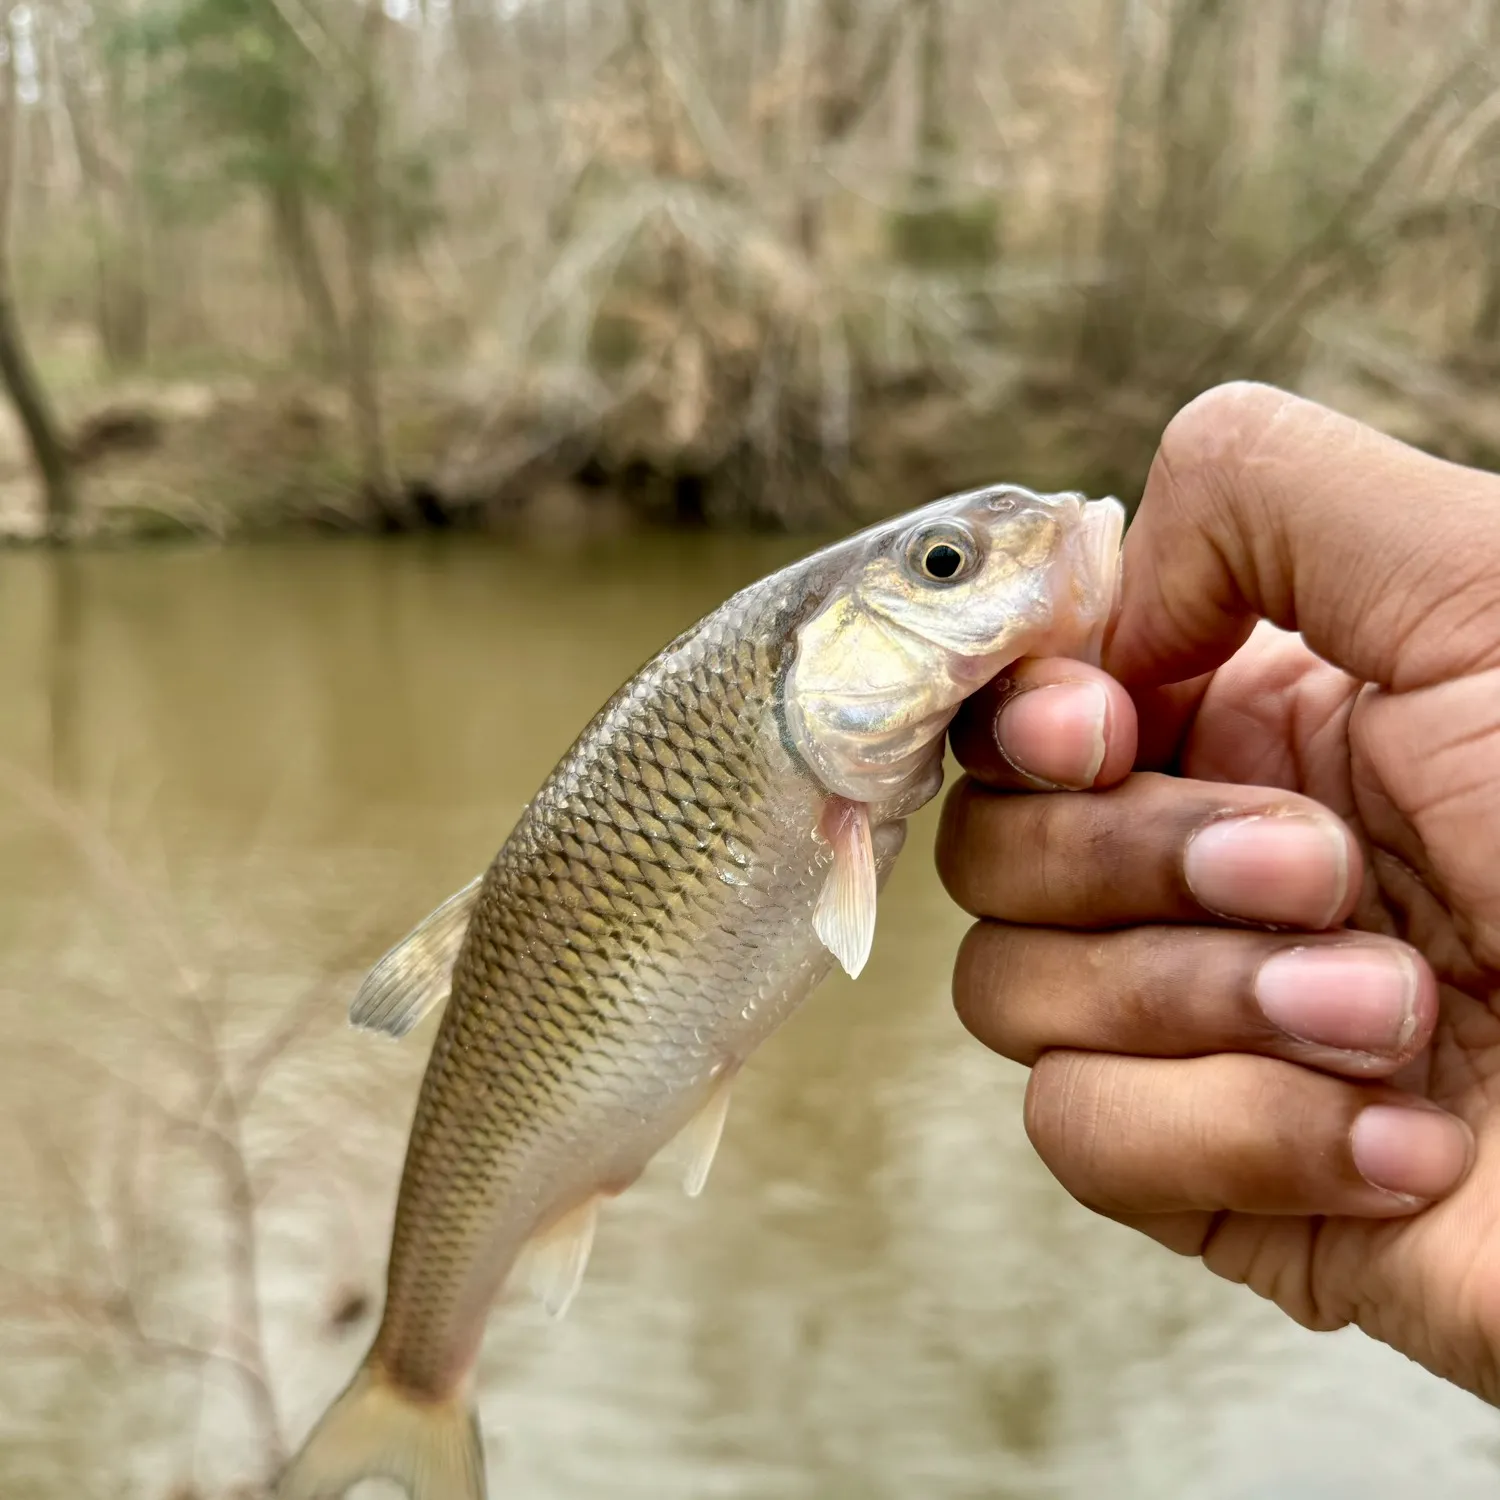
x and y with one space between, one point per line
373 1431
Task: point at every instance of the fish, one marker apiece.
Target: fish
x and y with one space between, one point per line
710 848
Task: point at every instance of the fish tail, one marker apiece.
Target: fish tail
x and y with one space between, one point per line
432 1448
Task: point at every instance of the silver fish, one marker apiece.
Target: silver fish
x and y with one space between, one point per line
710 846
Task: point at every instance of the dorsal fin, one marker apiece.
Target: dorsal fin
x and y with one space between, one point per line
416 974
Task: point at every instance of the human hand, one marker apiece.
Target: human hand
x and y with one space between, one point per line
1256 971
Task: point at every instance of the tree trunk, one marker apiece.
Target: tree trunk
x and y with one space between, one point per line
378 478
474 29
1486 332
17 374
1487 320
129 264
769 23
122 308
64 670
844 92
934 141
1195 135
1105 336
665 154
293 228
1308 47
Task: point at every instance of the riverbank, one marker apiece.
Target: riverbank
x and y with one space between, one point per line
273 454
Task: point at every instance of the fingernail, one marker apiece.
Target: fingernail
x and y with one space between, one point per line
1356 999
1270 868
1412 1151
1055 733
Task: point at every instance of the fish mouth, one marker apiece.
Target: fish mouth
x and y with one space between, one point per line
1103 531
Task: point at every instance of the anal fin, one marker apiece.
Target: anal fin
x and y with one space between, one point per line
552 1263
844 918
417 973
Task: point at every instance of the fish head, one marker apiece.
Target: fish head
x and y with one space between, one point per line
931 607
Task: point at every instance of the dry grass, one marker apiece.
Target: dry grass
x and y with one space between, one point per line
135 1316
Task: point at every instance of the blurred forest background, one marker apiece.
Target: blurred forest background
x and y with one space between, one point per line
401 263
271 268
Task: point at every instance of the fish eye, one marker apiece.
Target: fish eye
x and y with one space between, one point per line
942 555
942 561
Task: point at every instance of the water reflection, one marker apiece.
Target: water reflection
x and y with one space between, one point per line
301 749
65 641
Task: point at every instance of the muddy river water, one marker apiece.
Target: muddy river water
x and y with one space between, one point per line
228 779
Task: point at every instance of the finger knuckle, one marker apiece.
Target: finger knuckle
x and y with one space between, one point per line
1068 850
1207 447
1016 856
1267 1141
1126 840
1067 1116
1218 427
954 845
978 978
1139 971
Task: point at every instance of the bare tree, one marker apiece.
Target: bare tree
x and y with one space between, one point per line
847 81
21 381
934 139
1105 328
382 486
719 243
115 203
188 1120
1486 334
296 239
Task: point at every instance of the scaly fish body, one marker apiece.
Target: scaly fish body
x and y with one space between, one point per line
640 932
706 851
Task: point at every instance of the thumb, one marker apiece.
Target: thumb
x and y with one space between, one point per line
1260 504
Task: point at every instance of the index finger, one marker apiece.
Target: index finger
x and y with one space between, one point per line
1260 504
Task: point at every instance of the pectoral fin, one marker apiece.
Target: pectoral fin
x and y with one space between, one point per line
844 918
552 1263
415 975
